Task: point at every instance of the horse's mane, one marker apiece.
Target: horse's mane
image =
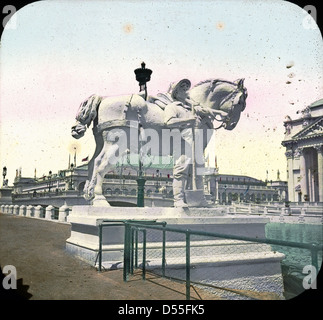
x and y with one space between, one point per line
202 82
213 80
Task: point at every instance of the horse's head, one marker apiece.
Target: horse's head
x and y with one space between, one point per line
222 95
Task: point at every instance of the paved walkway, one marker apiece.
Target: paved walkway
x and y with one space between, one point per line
45 271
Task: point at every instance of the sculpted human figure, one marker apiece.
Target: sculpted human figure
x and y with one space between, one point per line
179 114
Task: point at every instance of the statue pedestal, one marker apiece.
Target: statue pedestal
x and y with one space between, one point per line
194 198
5 195
219 254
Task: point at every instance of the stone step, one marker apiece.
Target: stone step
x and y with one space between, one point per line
198 248
201 252
205 261
219 260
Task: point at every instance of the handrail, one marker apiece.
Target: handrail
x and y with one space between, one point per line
237 237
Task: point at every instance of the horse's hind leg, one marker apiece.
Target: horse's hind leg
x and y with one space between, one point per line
88 189
102 163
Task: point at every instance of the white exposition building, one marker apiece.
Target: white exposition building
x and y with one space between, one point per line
304 152
120 186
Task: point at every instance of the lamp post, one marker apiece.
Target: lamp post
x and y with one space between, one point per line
141 187
142 76
157 181
49 180
225 192
4 173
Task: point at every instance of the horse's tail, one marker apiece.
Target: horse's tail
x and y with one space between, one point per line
87 112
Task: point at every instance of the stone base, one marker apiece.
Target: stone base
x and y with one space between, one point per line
195 198
84 241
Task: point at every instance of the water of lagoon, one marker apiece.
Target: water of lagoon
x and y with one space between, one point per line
296 259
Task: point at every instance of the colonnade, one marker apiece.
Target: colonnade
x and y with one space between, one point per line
311 173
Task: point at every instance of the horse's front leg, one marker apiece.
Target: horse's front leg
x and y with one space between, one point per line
102 163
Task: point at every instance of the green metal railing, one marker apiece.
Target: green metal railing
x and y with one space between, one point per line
131 247
132 228
130 260
114 223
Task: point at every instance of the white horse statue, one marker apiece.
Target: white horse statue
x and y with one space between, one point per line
119 117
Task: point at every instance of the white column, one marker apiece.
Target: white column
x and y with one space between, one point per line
303 174
320 171
290 175
311 175
216 192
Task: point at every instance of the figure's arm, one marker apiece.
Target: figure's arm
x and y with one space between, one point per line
200 111
172 120
180 123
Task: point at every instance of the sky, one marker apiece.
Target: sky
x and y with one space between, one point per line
55 54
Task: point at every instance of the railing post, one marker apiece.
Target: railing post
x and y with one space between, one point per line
136 248
100 246
125 252
188 266
132 234
144 255
164 251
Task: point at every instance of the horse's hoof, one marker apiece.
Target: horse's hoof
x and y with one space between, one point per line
180 204
206 205
100 201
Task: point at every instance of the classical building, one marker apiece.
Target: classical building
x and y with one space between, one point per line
304 152
228 188
120 187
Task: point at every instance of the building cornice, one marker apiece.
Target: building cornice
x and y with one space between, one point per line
314 130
